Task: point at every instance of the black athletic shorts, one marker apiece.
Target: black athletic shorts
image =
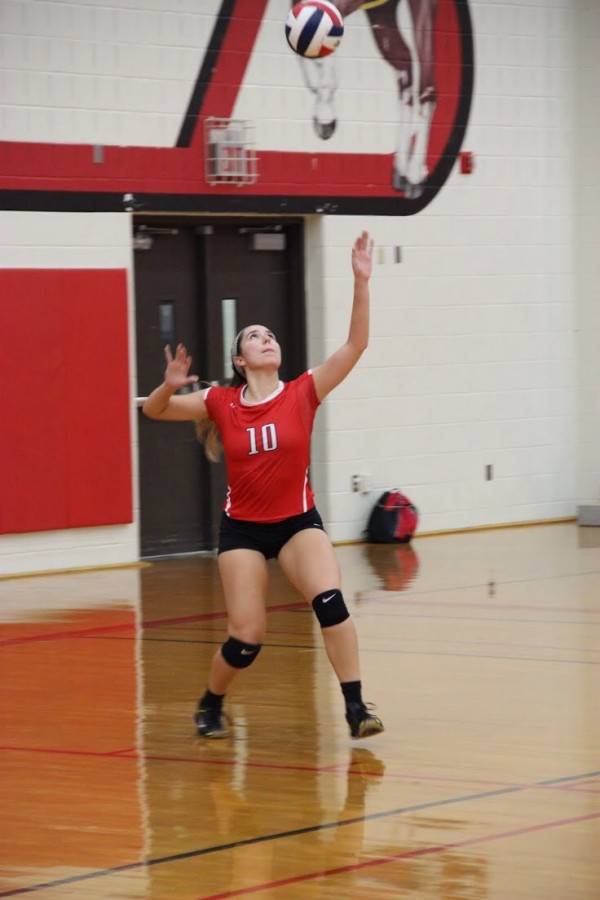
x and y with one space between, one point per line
266 537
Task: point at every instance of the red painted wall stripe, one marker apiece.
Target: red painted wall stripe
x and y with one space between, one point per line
180 170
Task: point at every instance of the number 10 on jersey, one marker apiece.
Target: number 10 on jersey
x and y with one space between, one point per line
268 438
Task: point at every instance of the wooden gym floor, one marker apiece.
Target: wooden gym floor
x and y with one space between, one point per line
481 651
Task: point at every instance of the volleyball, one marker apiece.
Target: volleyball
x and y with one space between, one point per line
314 28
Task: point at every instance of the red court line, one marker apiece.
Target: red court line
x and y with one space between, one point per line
118 754
61 635
204 617
580 788
584 790
131 626
404 854
344 769
575 789
334 768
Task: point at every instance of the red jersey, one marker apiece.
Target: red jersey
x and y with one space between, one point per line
267 449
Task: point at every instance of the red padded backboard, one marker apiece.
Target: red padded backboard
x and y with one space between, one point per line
65 450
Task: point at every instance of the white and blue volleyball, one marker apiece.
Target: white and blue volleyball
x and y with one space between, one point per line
314 28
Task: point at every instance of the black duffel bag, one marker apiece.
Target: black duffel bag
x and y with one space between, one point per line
393 519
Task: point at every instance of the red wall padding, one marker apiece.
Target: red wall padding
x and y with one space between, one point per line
65 451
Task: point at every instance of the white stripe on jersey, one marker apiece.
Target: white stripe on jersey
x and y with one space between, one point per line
305 493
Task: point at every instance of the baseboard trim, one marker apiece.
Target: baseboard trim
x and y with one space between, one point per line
75 570
531 523
142 564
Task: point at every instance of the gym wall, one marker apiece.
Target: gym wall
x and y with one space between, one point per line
485 319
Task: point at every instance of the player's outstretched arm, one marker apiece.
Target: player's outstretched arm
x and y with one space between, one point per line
163 403
335 368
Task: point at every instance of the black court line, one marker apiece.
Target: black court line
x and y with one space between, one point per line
319 647
415 598
410 615
398 652
281 835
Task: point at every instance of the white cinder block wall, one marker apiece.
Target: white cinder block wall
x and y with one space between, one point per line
484 338
472 359
91 72
586 171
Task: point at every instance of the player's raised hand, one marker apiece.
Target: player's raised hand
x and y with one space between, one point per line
362 256
178 366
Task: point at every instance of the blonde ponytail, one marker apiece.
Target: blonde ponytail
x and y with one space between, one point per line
208 433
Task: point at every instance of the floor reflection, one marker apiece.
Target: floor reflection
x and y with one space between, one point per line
395 567
589 537
481 651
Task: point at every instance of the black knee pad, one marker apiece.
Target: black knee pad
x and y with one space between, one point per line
330 608
239 654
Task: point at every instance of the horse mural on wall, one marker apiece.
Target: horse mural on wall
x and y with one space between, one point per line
415 81
399 161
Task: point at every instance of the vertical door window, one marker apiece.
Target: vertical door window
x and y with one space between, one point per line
230 329
166 324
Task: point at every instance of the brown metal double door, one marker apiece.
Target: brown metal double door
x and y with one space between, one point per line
197 283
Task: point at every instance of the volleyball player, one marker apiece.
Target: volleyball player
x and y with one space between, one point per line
264 426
